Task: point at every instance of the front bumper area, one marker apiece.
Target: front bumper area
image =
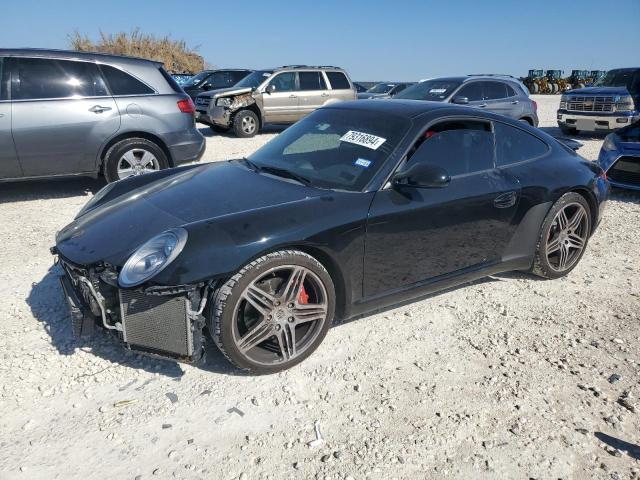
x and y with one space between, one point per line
160 321
218 116
595 122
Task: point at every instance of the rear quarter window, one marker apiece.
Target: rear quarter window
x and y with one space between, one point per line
171 81
338 80
514 145
121 83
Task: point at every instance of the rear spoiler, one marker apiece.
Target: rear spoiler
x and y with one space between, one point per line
570 142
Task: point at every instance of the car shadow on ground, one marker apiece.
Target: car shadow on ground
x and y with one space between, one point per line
271 128
632 449
48 306
51 188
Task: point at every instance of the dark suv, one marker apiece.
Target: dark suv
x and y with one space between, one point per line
72 113
213 80
500 94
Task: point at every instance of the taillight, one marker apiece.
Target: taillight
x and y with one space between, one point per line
186 106
535 106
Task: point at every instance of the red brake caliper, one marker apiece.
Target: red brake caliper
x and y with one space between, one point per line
303 298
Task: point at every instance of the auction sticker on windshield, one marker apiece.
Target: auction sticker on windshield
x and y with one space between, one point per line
363 139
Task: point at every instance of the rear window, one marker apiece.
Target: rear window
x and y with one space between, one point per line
338 80
494 90
514 145
121 83
171 81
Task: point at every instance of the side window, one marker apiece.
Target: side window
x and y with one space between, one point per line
284 82
510 91
237 76
473 91
514 145
121 83
399 88
311 81
338 80
458 146
3 81
219 80
41 78
494 90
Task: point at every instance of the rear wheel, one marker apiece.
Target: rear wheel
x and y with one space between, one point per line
563 237
245 124
133 156
274 312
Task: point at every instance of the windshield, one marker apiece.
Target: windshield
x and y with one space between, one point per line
334 148
434 90
196 79
253 80
621 78
381 88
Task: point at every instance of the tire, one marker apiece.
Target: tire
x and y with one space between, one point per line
568 130
245 124
526 120
552 233
219 129
136 149
234 320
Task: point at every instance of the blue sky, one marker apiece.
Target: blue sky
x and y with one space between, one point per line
373 40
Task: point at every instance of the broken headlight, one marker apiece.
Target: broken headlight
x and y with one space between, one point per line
151 257
223 102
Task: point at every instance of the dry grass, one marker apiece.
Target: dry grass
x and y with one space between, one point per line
174 54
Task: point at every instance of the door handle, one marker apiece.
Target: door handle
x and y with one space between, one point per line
515 102
99 109
293 96
506 200
482 105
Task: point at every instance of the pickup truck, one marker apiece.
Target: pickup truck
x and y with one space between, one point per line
611 103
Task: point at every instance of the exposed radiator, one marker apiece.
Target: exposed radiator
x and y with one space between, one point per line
156 323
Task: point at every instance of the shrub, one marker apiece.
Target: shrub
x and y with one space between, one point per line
174 54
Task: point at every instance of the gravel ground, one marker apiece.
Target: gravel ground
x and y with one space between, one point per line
510 377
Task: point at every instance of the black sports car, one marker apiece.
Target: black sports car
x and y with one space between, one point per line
358 206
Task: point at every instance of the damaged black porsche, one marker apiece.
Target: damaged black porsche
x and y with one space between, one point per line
359 206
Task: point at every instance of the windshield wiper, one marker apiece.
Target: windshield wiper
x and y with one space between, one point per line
283 172
249 164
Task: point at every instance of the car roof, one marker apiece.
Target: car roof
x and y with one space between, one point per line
72 55
403 108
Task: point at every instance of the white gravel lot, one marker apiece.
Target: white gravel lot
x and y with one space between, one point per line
511 377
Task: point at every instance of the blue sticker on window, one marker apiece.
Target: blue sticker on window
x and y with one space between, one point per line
361 162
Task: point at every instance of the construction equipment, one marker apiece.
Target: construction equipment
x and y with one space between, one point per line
533 80
596 75
555 82
578 78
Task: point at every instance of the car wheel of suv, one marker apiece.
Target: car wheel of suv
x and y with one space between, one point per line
274 312
563 237
133 156
245 124
568 130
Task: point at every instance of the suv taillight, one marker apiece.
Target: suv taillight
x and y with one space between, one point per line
535 106
187 106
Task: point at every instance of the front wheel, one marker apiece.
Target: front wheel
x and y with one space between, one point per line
274 312
245 124
563 237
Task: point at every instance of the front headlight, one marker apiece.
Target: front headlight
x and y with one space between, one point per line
152 257
624 103
563 102
223 102
608 144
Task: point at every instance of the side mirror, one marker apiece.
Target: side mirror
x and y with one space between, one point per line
460 100
422 175
270 89
206 86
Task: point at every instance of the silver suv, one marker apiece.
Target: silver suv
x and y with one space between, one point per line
280 95
72 113
502 94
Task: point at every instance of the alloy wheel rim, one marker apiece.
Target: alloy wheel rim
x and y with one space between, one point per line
248 124
137 161
567 237
280 315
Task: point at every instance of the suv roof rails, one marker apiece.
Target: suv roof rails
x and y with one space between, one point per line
490 75
308 66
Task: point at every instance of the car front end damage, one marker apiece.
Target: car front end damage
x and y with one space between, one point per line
218 110
161 321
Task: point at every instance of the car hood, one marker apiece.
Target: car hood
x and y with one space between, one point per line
226 92
599 91
111 231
